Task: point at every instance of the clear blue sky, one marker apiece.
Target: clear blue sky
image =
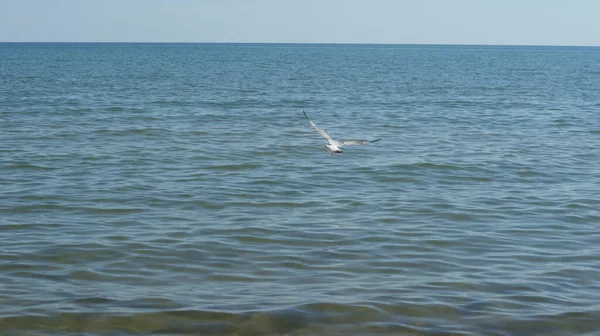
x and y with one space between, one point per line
532 22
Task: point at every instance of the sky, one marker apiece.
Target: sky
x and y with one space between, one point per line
487 22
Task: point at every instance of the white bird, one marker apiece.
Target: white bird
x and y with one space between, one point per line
334 146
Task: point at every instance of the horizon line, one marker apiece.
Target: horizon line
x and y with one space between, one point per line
312 43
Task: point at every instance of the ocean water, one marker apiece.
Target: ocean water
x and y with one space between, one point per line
177 189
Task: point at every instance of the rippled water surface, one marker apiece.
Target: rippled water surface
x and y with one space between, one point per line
176 189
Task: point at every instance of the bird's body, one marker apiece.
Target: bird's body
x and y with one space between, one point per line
333 149
333 146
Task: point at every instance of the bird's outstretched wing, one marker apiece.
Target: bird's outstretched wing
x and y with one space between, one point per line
319 129
357 142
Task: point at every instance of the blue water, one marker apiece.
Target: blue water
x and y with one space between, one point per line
177 189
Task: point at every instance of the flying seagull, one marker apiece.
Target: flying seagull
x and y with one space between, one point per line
334 146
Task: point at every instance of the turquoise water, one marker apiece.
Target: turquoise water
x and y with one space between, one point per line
177 189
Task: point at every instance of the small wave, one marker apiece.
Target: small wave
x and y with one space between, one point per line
309 319
106 210
209 205
81 109
129 131
235 167
428 166
172 102
273 204
28 166
93 301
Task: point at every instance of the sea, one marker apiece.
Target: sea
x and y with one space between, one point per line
177 189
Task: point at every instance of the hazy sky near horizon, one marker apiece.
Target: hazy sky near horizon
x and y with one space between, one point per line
515 22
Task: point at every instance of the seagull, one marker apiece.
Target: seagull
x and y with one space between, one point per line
334 146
